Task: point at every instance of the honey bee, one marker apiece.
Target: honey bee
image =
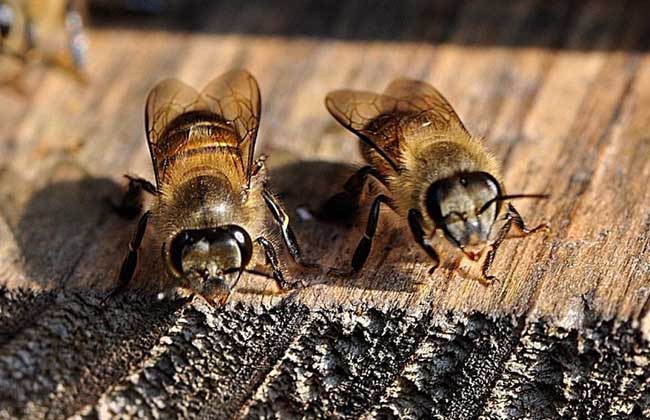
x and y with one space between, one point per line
436 175
48 31
211 195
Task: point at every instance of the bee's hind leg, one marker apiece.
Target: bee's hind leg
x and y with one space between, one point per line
131 203
345 204
130 262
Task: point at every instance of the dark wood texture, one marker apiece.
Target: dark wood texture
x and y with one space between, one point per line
63 355
559 90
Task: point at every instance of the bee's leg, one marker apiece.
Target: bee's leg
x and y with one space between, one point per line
519 223
363 248
488 279
131 203
259 166
512 218
289 238
272 259
131 260
415 223
346 203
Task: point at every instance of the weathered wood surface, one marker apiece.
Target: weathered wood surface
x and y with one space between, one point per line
71 357
560 90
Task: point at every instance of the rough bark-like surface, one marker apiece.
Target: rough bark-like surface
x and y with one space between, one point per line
140 357
69 349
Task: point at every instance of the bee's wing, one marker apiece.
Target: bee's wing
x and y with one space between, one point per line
415 95
356 110
235 96
412 105
166 101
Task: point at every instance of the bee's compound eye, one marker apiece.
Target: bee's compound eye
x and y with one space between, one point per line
6 20
176 249
434 197
244 242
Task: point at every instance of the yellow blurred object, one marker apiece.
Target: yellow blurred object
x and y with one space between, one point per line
50 32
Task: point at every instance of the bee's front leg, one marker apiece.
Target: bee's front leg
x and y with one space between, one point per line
131 203
415 223
513 218
519 223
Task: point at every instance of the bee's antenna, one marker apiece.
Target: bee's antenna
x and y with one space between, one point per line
510 197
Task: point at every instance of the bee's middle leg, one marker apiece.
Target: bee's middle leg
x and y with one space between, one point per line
362 251
130 262
131 203
346 203
289 238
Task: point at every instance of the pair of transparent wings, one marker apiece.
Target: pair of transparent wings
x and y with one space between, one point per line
406 102
234 97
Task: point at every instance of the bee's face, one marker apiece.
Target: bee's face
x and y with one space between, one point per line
210 261
457 206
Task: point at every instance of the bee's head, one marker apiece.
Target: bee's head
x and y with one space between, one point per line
6 20
465 207
209 261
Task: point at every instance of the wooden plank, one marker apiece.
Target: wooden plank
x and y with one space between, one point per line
558 90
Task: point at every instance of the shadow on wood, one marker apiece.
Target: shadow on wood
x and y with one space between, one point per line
54 226
306 185
358 20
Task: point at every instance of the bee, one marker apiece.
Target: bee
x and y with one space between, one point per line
435 173
212 199
48 31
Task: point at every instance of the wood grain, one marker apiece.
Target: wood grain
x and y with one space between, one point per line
559 90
